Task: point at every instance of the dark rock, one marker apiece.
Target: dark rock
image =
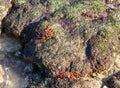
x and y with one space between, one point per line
100 51
114 81
21 15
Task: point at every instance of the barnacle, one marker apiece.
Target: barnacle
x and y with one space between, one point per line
91 16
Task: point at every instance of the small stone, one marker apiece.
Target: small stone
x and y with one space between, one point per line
105 87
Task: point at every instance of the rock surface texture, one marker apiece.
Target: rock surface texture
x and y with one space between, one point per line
75 44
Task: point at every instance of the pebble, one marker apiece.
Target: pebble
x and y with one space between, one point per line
105 86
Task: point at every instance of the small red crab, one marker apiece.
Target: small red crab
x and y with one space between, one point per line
45 33
91 16
86 15
67 75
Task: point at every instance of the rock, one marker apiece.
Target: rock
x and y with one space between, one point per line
32 79
57 53
100 51
22 15
114 81
2 75
105 86
117 61
4 7
54 36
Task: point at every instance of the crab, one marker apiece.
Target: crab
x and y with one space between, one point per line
67 75
91 16
45 33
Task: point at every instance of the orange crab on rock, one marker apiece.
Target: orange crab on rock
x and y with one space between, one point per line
67 75
45 33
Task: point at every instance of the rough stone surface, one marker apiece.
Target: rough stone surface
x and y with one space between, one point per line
21 15
100 53
54 53
61 38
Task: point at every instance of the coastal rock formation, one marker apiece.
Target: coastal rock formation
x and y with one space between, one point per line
100 51
71 42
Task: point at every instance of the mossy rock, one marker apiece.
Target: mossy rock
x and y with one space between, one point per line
22 16
58 52
100 51
56 4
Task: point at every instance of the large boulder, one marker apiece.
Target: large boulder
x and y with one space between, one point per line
58 52
65 44
114 81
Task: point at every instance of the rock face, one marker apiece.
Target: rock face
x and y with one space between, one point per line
23 14
54 52
67 45
100 51
2 75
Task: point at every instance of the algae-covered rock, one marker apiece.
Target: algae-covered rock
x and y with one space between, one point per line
58 52
100 51
22 13
64 37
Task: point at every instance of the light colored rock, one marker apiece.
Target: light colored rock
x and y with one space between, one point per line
116 67
117 61
2 75
4 7
105 87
